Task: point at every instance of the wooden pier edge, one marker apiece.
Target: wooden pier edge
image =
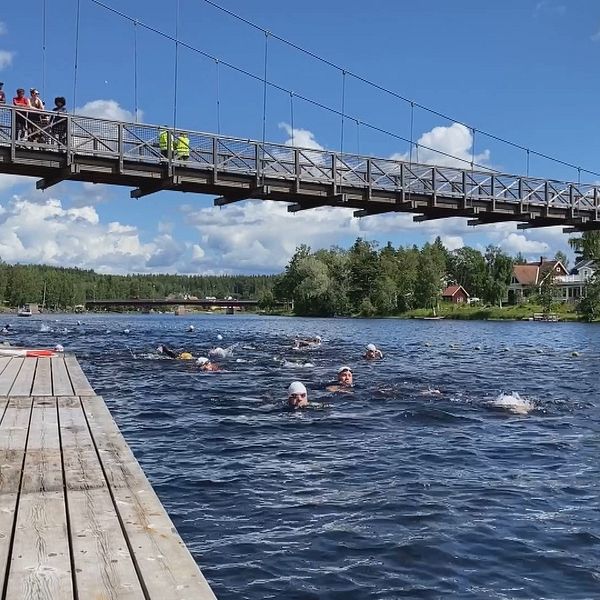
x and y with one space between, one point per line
78 517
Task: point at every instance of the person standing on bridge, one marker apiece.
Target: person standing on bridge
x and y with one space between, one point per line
59 121
37 121
182 146
21 101
165 142
2 94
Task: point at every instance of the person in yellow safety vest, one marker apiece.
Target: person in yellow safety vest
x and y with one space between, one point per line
182 146
164 142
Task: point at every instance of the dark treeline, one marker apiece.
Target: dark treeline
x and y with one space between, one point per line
65 288
372 281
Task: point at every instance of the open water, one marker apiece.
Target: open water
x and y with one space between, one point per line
383 493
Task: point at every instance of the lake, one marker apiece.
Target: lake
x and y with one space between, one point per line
384 493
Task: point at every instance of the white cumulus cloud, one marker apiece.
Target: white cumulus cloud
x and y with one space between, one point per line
300 138
106 109
447 147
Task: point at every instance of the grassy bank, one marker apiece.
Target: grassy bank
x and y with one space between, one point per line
474 312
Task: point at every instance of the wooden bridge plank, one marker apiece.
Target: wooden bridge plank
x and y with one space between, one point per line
103 565
24 379
42 382
166 565
61 384
8 376
81 385
40 567
13 438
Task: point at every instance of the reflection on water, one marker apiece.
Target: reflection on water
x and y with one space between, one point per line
394 491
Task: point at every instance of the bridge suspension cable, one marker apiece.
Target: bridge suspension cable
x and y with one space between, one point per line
176 66
396 95
77 19
302 97
43 48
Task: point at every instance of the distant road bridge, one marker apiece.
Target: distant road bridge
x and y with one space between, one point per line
79 148
153 302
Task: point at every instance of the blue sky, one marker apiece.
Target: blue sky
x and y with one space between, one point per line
524 70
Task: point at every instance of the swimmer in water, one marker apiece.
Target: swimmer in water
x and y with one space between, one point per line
164 349
313 342
206 365
297 395
344 381
372 352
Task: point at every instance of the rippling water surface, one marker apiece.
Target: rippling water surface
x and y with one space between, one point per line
384 493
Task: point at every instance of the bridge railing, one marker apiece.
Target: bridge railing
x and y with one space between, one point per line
76 135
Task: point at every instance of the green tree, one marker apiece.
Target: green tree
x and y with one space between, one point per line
586 246
499 272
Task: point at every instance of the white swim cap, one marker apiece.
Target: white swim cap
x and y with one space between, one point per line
296 387
318 338
344 368
372 347
219 337
59 348
159 349
201 360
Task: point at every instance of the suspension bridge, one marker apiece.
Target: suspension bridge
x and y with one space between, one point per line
77 148
73 147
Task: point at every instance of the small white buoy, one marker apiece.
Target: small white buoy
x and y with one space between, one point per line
219 337
125 330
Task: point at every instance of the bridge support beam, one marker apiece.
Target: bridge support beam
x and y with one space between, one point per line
166 183
544 222
64 174
260 191
446 213
334 200
487 219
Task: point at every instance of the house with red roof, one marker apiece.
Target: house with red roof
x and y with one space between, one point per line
528 278
456 294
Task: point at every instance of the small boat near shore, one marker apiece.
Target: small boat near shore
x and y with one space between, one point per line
24 311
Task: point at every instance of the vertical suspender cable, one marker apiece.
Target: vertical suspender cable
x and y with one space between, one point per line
412 127
527 165
135 71
264 121
292 118
76 54
343 111
43 48
357 137
218 82
176 68
473 151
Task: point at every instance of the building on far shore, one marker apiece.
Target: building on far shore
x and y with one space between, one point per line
455 294
528 278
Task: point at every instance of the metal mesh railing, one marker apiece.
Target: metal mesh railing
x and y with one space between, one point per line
89 136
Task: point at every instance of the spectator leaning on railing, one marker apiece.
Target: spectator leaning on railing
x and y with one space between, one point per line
21 101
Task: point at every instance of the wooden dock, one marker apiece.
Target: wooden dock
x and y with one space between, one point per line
78 518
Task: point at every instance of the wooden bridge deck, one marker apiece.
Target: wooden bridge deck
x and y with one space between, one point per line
78 518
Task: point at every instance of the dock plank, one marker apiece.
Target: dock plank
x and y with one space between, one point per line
40 567
42 382
103 564
24 379
8 376
61 384
166 565
4 360
13 439
81 385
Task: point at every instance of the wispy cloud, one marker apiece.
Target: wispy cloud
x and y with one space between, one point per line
596 36
6 59
549 7
3 29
